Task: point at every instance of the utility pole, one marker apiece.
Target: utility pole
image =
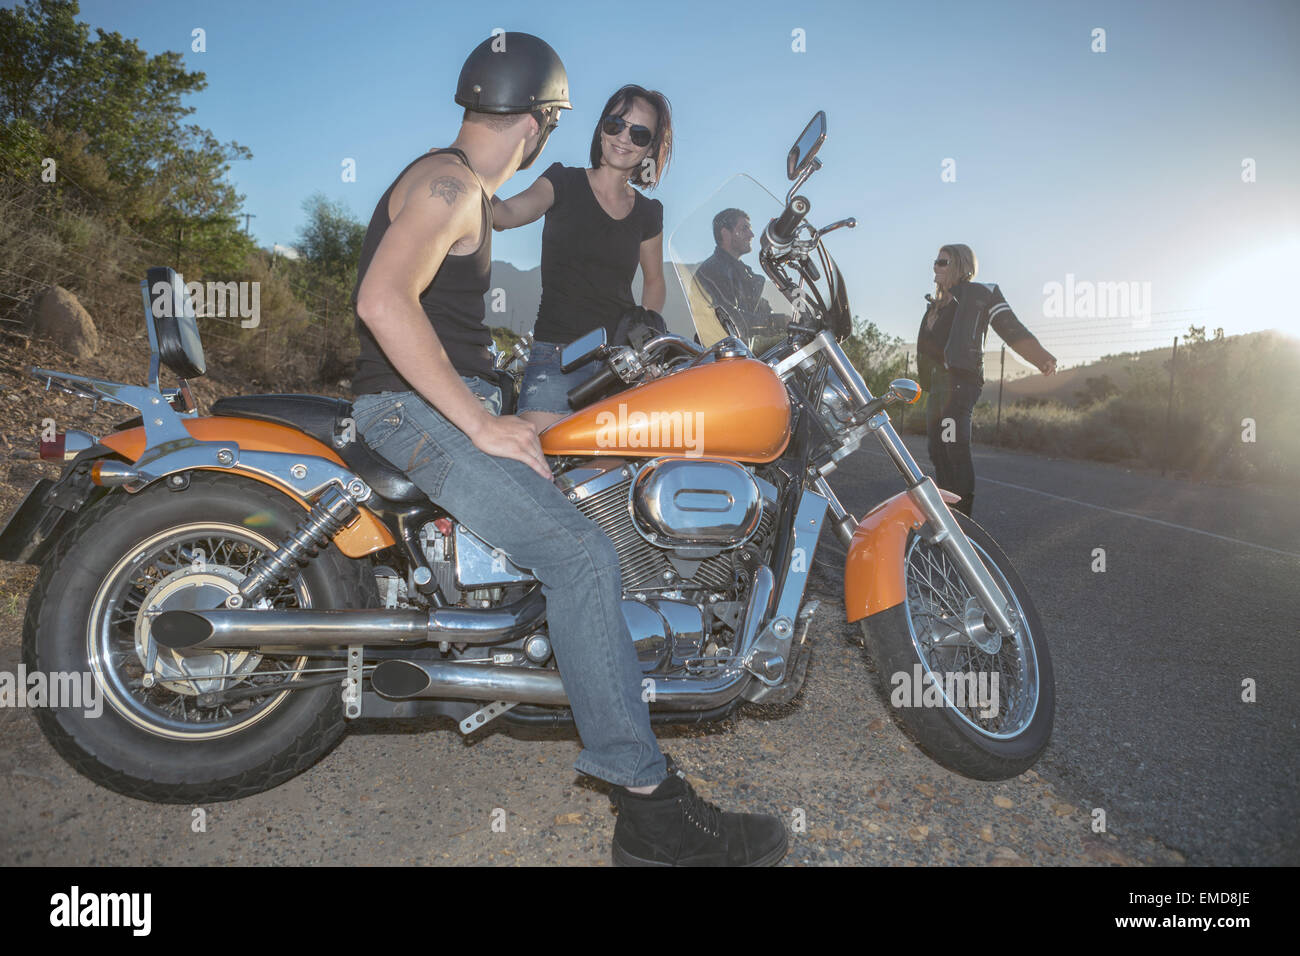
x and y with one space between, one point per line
247 216
1169 411
1002 379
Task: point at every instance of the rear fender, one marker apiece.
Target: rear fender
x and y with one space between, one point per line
365 535
41 518
873 573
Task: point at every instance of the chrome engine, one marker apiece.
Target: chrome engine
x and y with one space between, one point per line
678 524
689 535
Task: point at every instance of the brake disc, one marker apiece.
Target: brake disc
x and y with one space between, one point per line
191 672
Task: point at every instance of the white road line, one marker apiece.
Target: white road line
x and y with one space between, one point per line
1129 514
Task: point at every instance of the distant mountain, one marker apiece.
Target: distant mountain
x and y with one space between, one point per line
1064 385
1016 367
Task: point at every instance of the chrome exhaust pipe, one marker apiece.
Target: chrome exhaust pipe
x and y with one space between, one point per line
225 628
405 680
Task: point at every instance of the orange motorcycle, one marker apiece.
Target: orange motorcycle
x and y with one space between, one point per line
235 588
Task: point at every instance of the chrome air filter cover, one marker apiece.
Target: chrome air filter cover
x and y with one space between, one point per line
695 503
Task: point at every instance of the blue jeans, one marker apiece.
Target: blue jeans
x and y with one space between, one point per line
545 388
951 397
511 507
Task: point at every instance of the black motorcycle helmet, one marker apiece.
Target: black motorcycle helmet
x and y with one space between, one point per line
513 73
516 73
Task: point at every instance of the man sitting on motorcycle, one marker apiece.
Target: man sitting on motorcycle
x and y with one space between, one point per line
426 401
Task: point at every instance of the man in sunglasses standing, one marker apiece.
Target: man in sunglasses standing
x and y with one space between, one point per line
426 400
950 362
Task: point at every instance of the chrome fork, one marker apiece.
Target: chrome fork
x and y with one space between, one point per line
946 532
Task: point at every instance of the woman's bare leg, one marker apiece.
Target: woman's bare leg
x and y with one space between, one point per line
541 419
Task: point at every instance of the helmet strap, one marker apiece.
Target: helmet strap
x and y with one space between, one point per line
546 122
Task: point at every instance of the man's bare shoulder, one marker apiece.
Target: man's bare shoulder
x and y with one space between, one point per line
442 179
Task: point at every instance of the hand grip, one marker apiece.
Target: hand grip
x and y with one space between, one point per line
589 390
781 230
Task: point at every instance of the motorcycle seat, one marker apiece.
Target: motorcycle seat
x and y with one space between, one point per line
323 419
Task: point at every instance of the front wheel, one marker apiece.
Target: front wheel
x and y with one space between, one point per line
980 707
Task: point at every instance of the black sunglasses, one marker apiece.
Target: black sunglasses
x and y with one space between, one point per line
940 262
640 135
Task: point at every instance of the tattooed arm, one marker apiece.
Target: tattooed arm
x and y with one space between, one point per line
440 211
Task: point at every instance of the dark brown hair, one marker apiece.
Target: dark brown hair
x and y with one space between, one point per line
661 146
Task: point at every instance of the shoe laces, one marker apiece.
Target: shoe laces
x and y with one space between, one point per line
700 812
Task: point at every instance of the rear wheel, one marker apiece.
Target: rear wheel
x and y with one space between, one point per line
980 706
181 727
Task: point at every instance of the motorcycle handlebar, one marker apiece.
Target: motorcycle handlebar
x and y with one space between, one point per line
581 395
781 230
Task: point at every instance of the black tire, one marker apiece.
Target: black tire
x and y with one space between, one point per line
135 746
900 638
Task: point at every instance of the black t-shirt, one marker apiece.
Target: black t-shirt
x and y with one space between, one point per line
933 340
931 343
588 259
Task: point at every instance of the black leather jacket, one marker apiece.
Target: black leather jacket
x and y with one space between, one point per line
728 283
979 305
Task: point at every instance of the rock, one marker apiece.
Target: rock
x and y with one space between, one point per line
61 319
1003 802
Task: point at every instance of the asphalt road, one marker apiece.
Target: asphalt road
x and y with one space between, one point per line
1198 593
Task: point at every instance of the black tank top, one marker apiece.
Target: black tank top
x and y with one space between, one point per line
453 301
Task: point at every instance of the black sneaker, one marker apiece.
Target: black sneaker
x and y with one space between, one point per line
674 826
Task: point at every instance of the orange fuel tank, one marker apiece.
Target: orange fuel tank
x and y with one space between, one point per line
730 408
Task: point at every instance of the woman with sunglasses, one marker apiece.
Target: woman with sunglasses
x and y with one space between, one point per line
950 362
598 230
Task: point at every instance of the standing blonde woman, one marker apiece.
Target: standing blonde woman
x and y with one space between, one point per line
950 362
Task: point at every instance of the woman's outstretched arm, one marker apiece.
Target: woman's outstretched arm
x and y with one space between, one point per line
528 206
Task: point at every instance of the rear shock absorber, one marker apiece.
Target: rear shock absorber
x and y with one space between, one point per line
329 513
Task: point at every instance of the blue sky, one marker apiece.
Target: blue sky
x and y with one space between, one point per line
1116 166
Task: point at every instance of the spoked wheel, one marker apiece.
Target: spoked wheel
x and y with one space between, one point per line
184 726
979 703
183 695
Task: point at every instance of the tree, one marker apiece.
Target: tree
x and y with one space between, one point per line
1096 390
879 358
71 98
331 239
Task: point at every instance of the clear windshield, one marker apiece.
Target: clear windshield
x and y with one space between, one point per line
723 272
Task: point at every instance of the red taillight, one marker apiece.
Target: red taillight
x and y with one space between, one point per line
53 450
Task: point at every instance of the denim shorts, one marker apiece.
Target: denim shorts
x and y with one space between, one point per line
545 388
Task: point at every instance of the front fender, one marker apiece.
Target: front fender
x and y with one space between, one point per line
873 573
366 533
